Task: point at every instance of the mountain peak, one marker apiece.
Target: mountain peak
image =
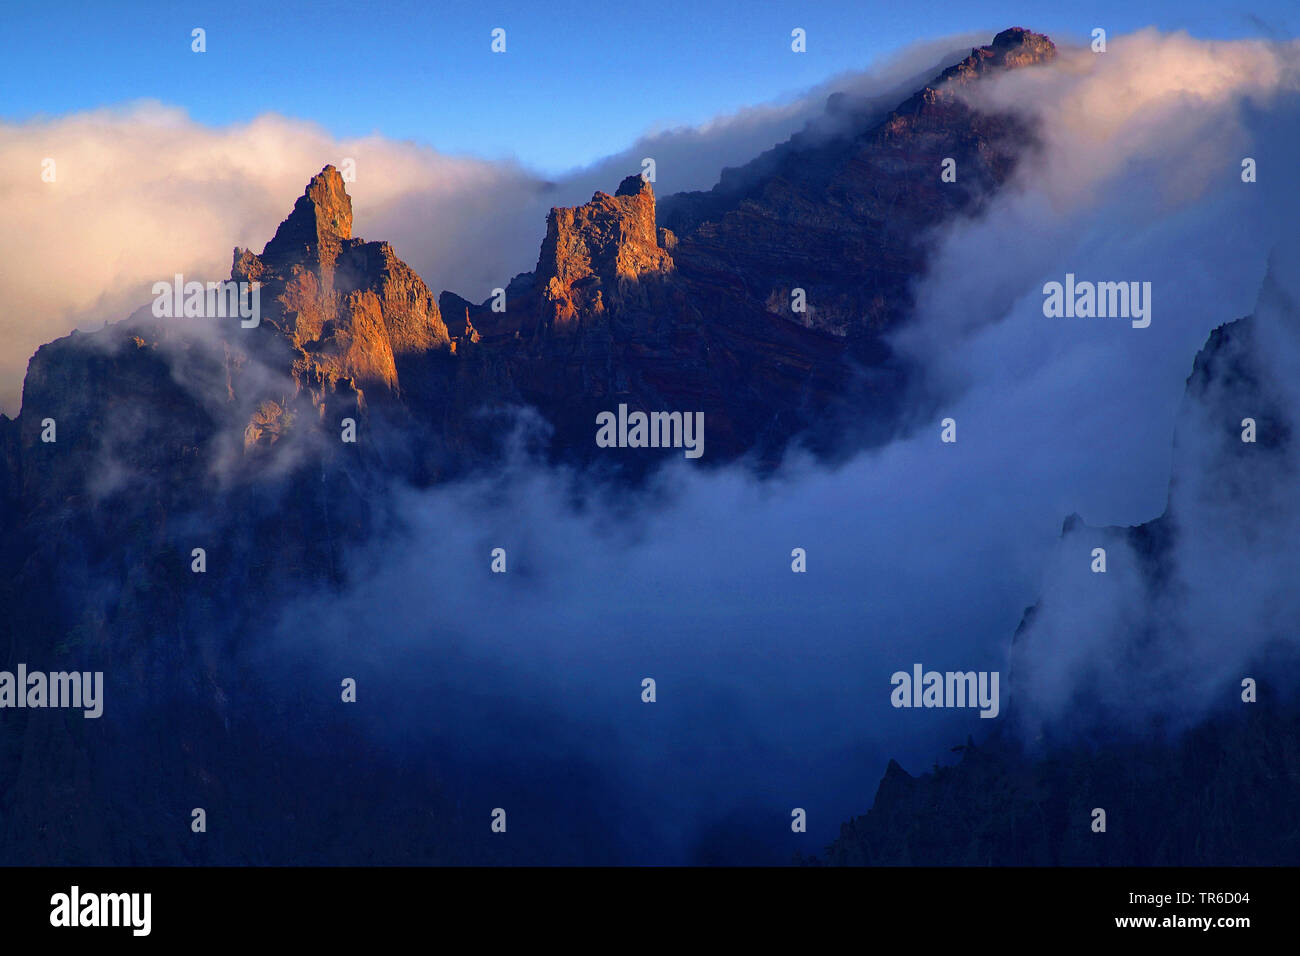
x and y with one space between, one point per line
314 231
1014 36
1012 48
354 309
606 243
1020 47
635 185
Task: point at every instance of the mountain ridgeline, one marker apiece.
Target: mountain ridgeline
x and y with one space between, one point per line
176 433
699 316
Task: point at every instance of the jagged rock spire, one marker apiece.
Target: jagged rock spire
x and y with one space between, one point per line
314 232
607 243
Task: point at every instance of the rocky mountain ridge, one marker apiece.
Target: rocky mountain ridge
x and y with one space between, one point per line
620 309
175 434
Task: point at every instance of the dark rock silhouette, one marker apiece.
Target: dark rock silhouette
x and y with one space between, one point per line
1172 798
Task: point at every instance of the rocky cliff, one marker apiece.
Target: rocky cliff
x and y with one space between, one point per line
177 434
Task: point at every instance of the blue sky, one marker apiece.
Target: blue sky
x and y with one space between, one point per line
579 80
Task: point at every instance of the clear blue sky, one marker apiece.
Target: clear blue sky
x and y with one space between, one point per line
579 80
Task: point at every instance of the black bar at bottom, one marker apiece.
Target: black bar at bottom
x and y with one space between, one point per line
333 905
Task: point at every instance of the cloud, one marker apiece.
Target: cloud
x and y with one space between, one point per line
1139 178
1132 651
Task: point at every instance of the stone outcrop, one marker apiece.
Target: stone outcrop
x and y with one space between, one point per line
599 250
351 309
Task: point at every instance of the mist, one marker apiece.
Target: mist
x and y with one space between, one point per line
772 687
